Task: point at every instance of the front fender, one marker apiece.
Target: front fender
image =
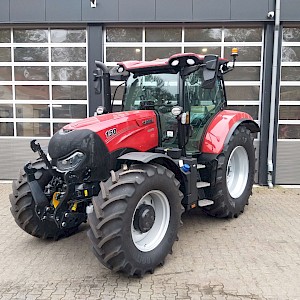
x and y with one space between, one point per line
222 127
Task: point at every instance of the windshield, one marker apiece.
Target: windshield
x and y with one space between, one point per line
151 91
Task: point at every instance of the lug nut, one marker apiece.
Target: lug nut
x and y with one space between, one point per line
47 208
66 215
44 218
57 219
63 224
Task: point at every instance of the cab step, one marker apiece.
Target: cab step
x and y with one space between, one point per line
202 184
205 202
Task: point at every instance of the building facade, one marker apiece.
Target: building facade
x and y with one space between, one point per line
48 49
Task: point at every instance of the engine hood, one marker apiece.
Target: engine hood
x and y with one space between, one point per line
132 129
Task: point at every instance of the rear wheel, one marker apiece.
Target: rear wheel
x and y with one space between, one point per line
235 176
23 206
136 219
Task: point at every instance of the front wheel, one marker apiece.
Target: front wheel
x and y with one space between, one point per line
235 176
136 219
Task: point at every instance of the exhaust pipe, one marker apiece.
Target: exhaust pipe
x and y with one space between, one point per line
106 85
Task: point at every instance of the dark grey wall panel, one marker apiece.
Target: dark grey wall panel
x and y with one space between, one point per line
249 10
213 10
106 10
271 5
288 162
170 10
290 10
4 10
95 52
27 11
63 10
14 153
137 10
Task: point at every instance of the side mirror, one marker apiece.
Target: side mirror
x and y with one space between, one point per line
97 81
210 71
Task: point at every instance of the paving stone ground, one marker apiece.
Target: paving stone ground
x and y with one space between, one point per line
256 256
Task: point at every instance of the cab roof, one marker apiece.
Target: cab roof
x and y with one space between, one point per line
163 65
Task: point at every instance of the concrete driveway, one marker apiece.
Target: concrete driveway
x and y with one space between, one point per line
256 256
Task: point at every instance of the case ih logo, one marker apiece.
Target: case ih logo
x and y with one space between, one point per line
149 121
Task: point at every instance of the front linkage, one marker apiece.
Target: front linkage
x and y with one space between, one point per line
63 209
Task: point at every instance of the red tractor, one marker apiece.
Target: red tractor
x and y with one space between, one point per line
131 174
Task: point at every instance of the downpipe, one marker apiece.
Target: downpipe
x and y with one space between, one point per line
273 95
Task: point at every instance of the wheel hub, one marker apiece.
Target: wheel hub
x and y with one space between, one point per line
237 172
144 218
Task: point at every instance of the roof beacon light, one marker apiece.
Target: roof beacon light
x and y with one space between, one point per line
234 52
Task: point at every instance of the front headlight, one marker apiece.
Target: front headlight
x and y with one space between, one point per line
71 162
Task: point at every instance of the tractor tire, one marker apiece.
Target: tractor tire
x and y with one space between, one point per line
235 176
23 206
136 218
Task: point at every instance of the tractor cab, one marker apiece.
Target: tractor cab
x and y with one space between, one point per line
185 91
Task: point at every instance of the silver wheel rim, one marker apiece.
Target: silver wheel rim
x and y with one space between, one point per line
237 171
149 240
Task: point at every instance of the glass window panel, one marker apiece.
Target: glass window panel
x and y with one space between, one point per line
291 112
290 93
33 129
4 35
5 54
252 110
5 92
68 54
243 35
242 92
32 92
290 73
287 131
30 35
117 108
57 126
161 52
290 54
68 73
203 50
6 129
69 92
32 111
118 34
25 54
123 54
32 73
163 34
6 111
69 111
248 53
291 34
244 73
119 93
68 35
5 73
202 34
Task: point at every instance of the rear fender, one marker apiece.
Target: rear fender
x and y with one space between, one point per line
222 127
